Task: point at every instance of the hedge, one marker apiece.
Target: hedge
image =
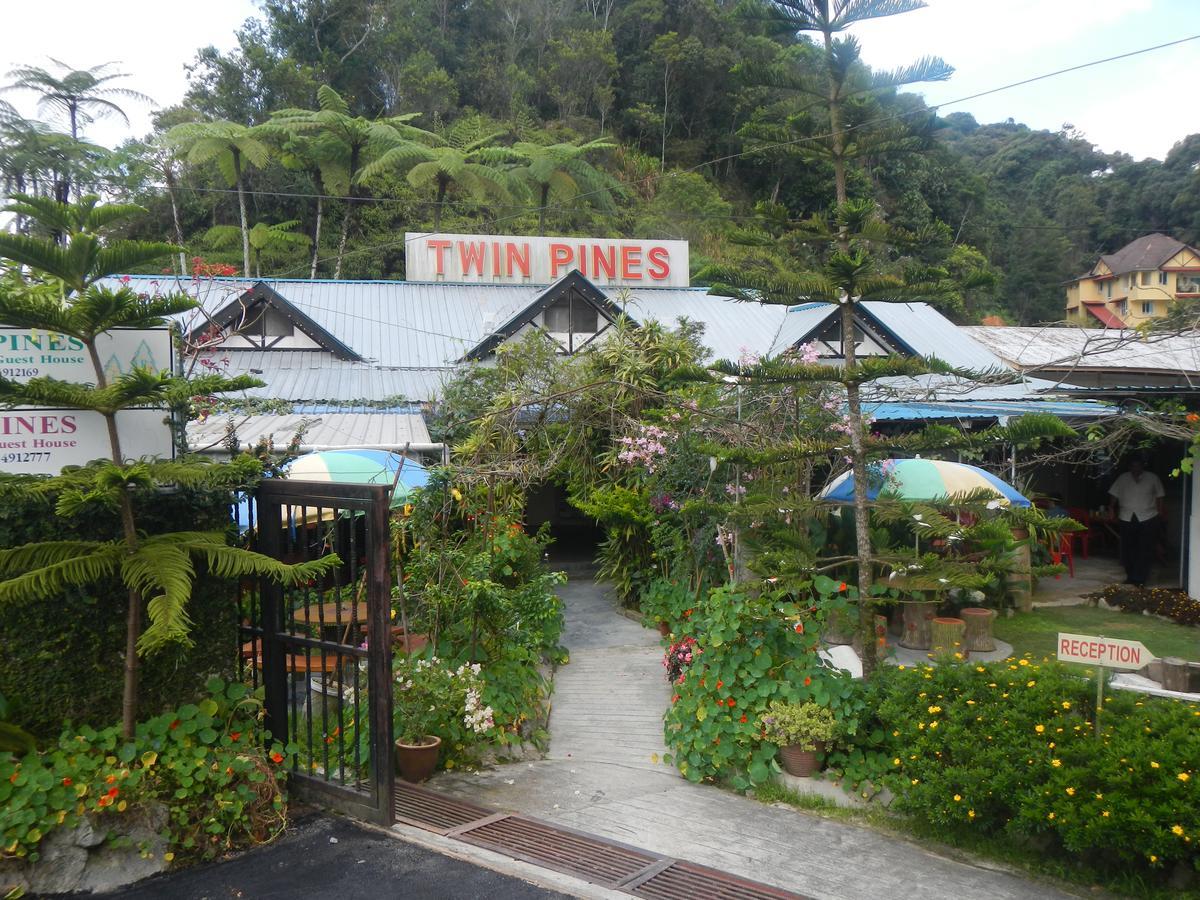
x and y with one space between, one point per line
63 658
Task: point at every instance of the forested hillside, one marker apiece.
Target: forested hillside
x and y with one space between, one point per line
693 119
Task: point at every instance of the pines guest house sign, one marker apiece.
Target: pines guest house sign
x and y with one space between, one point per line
40 441
508 259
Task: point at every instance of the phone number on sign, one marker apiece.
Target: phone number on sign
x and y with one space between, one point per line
24 457
19 371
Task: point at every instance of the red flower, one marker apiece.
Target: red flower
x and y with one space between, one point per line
731 703
235 735
743 718
67 782
675 699
112 792
174 725
110 779
687 613
277 757
720 684
799 628
842 586
807 681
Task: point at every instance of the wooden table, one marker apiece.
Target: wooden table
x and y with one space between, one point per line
332 614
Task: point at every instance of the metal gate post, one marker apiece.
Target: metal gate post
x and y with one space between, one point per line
274 663
379 651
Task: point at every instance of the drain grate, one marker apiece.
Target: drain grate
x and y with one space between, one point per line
595 859
433 811
687 881
591 858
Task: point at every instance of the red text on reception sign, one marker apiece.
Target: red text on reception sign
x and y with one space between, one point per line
1111 653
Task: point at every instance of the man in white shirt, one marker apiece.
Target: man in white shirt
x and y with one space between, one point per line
1136 497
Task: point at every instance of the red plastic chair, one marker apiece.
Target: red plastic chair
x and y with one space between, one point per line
1065 550
1081 538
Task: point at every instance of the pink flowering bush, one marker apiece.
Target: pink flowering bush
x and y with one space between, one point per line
646 448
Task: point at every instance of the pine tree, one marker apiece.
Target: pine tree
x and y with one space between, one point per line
158 570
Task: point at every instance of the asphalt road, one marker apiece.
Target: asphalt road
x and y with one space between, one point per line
326 857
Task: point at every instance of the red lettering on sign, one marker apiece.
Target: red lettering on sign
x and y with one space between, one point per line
660 263
439 248
517 254
631 263
495 259
604 258
470 256
560 256
1063 647
68 424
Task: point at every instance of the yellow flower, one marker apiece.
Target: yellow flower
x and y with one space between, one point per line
1183 776
921 726
933 710
1177 830
970 813
1153 858
1050 816
957 798
1030 683
933 725
916 780
1099 796
121 806
1104 814
970 703
901 668
980 669
895 734
1070 792
456 494
1056 763
1039 728
168 856
1153 764
1022 662
896 761
1066 704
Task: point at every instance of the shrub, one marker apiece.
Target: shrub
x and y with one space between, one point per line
62 659
209 762
803 725
1169 603
759 646
1009 748
666 601
432 697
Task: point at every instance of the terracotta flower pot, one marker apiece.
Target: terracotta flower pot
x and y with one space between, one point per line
801 763
416 762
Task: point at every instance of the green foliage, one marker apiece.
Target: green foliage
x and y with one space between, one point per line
804 725
210 762
666 601
60 655
432 697
756 647
13 738
1008 749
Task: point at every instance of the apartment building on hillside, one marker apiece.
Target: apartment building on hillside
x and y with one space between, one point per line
1136 283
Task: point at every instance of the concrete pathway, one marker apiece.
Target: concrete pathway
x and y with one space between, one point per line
603 774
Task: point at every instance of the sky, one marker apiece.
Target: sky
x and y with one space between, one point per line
1139 106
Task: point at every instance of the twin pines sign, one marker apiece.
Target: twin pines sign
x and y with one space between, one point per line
508 259
39 441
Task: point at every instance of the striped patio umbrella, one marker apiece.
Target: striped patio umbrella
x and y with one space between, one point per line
350 466
922 479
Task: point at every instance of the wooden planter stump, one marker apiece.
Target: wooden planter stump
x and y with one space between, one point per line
917 616
978 635
946 636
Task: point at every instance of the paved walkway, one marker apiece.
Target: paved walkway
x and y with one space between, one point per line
603 775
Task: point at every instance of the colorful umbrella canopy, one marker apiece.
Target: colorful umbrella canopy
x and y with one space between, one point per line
351 466
922 479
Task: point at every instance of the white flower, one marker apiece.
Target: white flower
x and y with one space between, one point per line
995 504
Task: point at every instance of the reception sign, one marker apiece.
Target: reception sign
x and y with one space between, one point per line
34 353
42 441
1111 653
510 259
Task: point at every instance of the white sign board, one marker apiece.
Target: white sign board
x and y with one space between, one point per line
1101 651
510 259
33 353
42 441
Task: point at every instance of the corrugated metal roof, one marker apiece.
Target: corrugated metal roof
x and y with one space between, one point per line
929 333
950 388
729 326
1090 348
801 323
341 429
315 375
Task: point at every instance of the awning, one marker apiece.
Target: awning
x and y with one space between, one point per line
1106 318
322 431
980 410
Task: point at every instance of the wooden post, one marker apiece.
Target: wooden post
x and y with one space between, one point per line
978 635
917 615
1175 674
946 636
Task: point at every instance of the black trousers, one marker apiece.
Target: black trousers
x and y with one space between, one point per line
1137 548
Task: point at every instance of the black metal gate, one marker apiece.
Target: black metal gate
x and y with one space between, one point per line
323 650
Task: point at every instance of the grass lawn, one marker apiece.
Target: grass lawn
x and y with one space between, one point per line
1036 632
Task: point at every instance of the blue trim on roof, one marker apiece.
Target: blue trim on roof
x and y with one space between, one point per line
235 279
986 410
811 305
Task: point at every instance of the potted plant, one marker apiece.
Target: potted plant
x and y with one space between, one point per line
664 603
433 700
801 731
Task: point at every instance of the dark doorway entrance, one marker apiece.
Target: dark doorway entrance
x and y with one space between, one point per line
575 535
